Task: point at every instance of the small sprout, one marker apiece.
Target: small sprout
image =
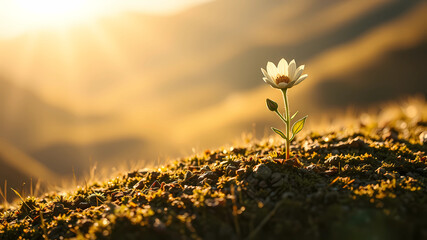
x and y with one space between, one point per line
283 77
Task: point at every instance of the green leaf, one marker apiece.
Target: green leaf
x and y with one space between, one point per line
279 132
294 115
298 126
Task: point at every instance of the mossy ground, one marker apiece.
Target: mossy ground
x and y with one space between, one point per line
363 183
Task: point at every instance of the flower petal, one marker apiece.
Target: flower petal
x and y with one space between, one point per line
291 70
282 66
302 78
271 69
267 75
264 72
269 81
298 72
291 84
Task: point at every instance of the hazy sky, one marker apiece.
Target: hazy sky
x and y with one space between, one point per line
20 16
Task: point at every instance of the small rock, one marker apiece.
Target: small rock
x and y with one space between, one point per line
153 175
188 174
288 195
205 168
261 171
252 181
84 224
263 184
346 167
111 207
159 225
353 143
83 205
331 171
231 170
331 197
208 175
139 185
240 171
275 177
214 202
188 189
59 209
96 199
334 160
116 195
308 147
390 134
423 138
357 143
155 185
411 174
380 170
311 167
389 175
279 183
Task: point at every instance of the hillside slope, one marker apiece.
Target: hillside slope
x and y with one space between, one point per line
107 92
365 182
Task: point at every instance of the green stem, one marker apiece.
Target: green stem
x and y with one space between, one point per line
288 123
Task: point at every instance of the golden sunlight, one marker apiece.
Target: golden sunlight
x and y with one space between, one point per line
50 13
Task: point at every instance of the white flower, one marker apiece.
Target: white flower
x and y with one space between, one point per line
283 76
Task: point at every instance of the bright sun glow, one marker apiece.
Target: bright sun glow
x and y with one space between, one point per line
51 13
20 16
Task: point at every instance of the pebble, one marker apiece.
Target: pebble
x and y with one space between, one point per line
261 171
389 175
275 177
334 160
208 175
240 171
251 180
423 138
159 225
59 209
390 134
231 170
154 175
311 146
346 167
139 185
357 143
263 184
380 170
311 167
205 168
288 195
279 183
353 143
83 205
188 174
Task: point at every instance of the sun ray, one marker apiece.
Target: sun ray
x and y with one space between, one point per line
51 13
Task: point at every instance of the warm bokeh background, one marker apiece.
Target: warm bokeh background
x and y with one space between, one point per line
137 87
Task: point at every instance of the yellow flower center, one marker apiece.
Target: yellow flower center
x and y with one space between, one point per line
282 78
